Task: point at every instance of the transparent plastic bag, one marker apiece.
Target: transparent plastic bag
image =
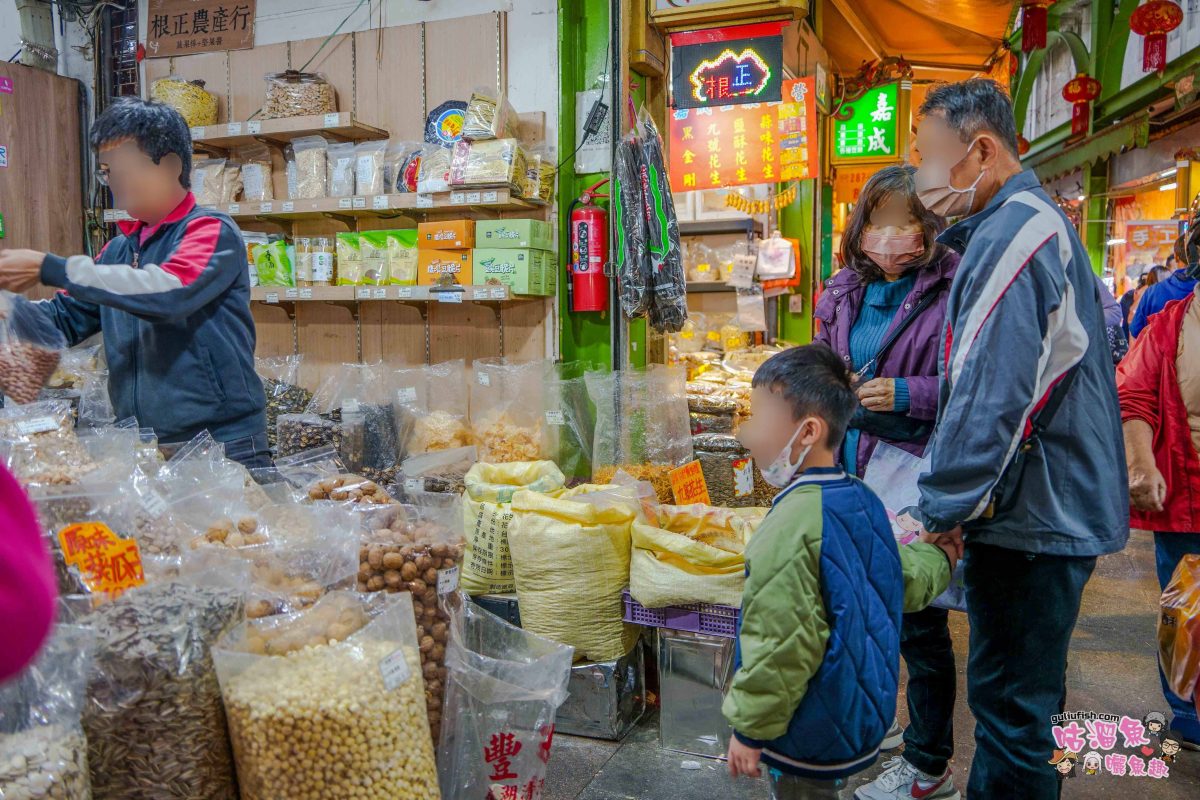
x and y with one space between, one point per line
43 752
358 400
776 261
95 405
369 173
197 106
432 403
402 166
504 687
281 382
321 475
342 165
495 162
349 669
258 174
208 181
298 94
508 409
541 174
443 471
311 157
39 444
434 173
751 310
231 184
701 263
1179 630
570 422
489 116
30 348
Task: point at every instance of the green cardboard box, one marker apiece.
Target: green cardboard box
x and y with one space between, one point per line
549 274
519 270
514 233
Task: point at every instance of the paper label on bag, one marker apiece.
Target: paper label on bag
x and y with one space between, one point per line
28 427
688 486
555 418
414 484
107 564
154 504
395 670
743 477
447 580
483 378
407 395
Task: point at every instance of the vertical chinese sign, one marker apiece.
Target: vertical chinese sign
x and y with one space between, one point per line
869 129
183 27
744 145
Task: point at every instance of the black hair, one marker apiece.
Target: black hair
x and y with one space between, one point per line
1172 736
815 382
882 185
158 129
975 105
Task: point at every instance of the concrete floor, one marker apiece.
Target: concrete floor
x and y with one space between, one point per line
1112 670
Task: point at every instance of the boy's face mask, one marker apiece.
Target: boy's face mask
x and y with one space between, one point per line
782 470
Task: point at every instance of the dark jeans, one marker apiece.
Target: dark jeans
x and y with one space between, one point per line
932 688
1022 608
1169 550
252 452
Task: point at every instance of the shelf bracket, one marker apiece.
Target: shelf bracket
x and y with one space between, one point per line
350 305
494 305
421 307
288 307
282 222
346 219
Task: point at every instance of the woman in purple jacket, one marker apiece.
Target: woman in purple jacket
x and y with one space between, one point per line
896 277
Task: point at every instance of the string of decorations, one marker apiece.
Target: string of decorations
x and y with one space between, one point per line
755 207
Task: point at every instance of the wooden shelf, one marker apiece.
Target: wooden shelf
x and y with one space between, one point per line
383 205
714 227
333 294
227 136
706 287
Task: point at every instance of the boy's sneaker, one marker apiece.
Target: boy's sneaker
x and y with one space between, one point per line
894 737
900 780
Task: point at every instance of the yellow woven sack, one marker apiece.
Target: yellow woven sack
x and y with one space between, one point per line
695 554
487 512
571 560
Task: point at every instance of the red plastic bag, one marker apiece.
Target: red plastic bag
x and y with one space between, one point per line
1179 630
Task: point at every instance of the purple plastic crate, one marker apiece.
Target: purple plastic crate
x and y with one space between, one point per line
704 618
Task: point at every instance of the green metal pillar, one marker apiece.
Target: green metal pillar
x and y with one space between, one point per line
1095 213
797 221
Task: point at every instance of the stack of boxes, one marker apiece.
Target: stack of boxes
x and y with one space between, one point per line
518 253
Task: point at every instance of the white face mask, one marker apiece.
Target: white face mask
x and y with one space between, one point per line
781 471
936 194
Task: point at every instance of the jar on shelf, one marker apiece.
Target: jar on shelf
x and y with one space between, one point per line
324 271
304 262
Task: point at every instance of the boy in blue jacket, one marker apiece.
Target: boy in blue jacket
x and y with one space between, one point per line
818 660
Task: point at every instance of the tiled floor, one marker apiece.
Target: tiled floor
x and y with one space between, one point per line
1112 670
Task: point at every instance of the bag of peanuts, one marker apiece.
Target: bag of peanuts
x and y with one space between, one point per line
504 687
42 749
347 674
487 513
431 405
322 476
508 409
30 348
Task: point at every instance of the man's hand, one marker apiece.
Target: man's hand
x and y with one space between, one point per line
743 760
20 269
950 543
1147 487
878 394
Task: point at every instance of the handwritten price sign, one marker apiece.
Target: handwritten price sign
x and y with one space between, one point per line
107 563
687 483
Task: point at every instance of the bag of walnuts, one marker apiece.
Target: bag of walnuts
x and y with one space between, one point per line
30 348
346 673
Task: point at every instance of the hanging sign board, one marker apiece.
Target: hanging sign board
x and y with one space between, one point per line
871 133
727 66
744 145
183 27
1150 242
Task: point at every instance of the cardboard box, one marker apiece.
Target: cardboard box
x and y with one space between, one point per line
444 267
549 274
519 270
514 233
453 234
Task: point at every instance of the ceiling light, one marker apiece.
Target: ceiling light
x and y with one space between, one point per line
1167 187
1115 242
1168 173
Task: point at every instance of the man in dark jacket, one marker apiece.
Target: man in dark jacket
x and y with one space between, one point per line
171 295
1025 351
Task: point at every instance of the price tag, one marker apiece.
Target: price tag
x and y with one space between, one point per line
291 294
483 378
490 197
289 207
447 580
474 198
424 201
345 202
743 477
363 293
479 294
154 504
28 427
380 293
407 395
234 210
106 563
498 293
404 292
450 297
233 129
379 202
688 486
266 208
272 297
414 484
306 294
458 198
555 418
197 133
360 202
333 120
253 128
350 406
395 670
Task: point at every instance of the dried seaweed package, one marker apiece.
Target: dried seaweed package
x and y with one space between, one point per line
634 277
668 310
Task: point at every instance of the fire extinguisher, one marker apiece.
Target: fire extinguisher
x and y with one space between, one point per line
589 251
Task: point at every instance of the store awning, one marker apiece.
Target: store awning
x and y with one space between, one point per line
942 39
1110 141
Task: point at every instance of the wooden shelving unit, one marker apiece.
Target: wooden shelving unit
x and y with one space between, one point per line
228 136
382 205
416 294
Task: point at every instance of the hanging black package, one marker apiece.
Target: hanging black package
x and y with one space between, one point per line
668 308
632 259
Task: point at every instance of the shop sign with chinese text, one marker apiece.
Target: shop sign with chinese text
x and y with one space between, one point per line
1150 242
183 27
727 72
713 148
872 131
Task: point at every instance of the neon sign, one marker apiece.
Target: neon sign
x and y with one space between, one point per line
730 76
708 74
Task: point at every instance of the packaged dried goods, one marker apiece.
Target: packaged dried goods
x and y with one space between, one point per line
541 174
231 182
281 384
95 403
298 94
258 174
570 421
729 472
497 162
712 413
358 399
274 263
669 282
303 263
311 156
40 445
373 250
208 181
296 433
30 348
197 106
441 471
370 176
348 672
349 259
635 279
402 257
508 409
444 124
254 240
402 166
324 265
323 476
431 403
342 163
154 719
450 234
434 173
487 513
410 550
701 263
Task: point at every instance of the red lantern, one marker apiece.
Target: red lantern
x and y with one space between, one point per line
1155 20
1023 145
1034 15
1080 91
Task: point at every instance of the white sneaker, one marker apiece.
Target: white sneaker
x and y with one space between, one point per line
900 780
894 737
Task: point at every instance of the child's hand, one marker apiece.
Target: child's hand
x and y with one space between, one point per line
743 760
951 543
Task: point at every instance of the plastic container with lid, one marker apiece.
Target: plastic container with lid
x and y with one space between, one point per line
189 98
304 262
298 94
321 251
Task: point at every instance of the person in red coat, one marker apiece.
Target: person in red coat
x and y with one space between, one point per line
1159 387
28 590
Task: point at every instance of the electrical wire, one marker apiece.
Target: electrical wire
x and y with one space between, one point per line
606 76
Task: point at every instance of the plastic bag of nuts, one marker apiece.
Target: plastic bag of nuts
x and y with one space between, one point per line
285 395
329 702
42 750
442 471
295 433
323 476
30 348
39 444
298 94
412 550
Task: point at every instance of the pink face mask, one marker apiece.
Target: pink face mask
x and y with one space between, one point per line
892 252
